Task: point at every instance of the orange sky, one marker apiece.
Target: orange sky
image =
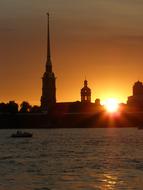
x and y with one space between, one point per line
101 39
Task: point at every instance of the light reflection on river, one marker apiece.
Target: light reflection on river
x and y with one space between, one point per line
72 159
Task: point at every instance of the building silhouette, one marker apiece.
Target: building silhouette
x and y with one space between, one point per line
136 100
85 93
48 98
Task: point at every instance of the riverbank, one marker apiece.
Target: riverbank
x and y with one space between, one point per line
72 120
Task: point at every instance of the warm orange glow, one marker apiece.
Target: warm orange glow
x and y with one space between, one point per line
111 105
114 54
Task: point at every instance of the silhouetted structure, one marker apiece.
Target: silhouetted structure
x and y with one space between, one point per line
85 93
48 98
136 100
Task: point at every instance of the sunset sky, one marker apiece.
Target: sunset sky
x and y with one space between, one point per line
99 39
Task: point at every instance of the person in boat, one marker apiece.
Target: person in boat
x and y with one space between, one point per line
19 132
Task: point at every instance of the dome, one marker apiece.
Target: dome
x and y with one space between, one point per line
138 88
85 90
138 83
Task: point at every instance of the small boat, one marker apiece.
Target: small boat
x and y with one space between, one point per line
21 134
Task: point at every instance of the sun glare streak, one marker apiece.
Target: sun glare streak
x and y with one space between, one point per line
111 105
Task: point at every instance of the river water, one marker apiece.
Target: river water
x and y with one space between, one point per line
72 159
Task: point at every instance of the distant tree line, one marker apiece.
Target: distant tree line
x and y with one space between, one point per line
76 107
12 107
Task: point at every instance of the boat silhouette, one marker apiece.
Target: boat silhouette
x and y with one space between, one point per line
21 134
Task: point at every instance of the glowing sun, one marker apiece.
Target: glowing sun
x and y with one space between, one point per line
111 105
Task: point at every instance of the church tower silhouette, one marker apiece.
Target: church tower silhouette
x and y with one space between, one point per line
48 98
85 93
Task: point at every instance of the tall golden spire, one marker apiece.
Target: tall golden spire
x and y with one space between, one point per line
48 62
48 38
48 98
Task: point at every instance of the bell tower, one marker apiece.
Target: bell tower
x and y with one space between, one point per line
85 93
48 98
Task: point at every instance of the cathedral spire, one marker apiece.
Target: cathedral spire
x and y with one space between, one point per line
48 62
48 98
48 38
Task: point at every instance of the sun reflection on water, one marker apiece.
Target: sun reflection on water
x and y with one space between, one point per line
109 181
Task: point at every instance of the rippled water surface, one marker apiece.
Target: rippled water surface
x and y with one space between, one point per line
72 159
